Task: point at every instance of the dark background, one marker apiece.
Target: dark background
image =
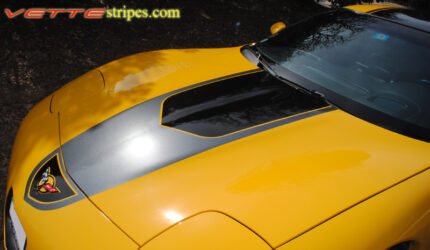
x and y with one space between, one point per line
39 56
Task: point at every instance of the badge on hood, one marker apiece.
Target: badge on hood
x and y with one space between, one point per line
48 182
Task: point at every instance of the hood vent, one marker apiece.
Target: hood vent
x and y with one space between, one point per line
235 104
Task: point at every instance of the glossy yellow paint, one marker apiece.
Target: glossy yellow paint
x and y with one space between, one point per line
55 228
209 230
77 226
276 27
399 214
138 78
29 147
124 83
89 100
366 8
280 182
80 90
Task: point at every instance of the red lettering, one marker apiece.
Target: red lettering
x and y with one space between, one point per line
95 13
54 12
34 13
11 14
39 13
74 12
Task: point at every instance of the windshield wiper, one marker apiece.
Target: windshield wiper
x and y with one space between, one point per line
265 65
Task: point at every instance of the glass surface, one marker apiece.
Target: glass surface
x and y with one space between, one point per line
373 68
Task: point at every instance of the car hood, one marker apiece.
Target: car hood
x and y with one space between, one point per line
278 180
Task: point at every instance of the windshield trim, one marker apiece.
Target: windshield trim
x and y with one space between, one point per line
356 109
400 22
348 105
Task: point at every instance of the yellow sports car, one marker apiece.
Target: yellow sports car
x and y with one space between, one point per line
315 138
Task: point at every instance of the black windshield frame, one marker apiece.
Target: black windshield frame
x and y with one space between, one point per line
357 109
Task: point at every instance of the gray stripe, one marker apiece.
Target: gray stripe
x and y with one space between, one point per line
133 143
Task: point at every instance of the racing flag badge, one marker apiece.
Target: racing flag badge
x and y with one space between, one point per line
46 183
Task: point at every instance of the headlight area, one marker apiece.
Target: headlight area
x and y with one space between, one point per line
15 237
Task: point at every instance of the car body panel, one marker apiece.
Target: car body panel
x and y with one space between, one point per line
134 143
279 182
79 225
335 163
396 215
141 77
80 90
58 227
367 8
30 148
209 230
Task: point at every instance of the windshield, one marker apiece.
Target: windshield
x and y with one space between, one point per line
370 67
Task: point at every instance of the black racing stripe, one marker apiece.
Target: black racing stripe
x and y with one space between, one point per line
134 143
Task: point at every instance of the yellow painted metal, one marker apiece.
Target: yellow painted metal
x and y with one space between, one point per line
78 91
80 225
82 104
276 27
210 230
138 78
280 182
37 137
399 214
77 226
29 147
365 8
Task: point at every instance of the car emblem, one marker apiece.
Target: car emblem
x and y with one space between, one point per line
46 184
